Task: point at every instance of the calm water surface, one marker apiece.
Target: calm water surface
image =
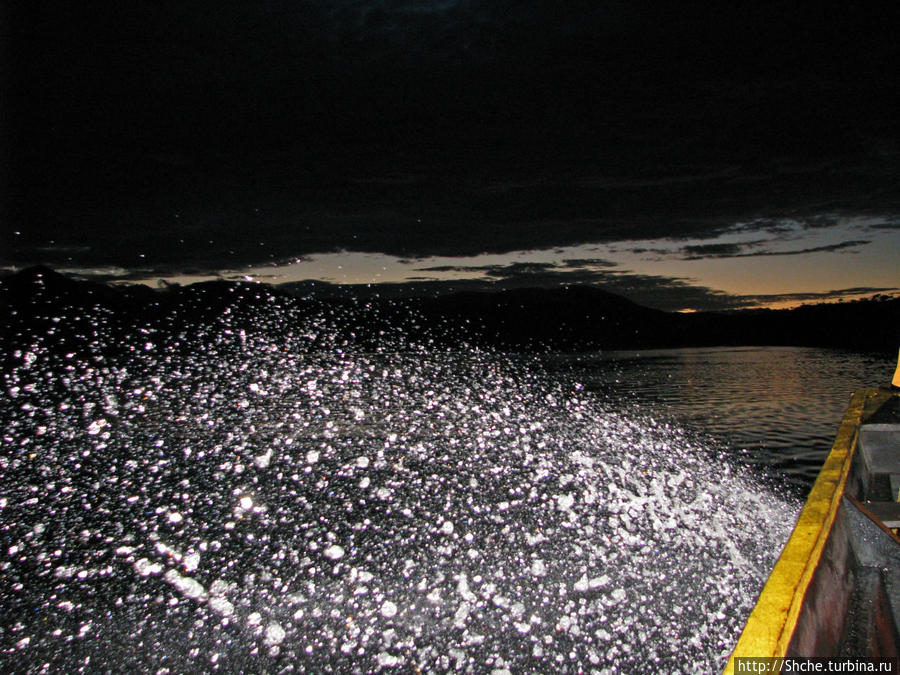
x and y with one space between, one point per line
777 408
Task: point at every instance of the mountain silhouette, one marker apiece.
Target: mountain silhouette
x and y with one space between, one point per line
40 303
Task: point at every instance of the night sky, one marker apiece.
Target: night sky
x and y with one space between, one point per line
688 155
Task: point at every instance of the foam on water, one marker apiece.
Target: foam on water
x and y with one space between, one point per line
232 501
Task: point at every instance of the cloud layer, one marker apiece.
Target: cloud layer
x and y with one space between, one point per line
740 250
197 137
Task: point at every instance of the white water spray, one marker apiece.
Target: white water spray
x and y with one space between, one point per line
232 502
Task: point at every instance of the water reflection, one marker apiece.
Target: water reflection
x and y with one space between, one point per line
777 407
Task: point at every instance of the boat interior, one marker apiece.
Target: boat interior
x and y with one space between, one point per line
852 606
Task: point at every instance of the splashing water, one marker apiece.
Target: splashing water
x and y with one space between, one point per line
226 499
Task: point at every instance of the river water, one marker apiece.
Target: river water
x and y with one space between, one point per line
226 499
776 408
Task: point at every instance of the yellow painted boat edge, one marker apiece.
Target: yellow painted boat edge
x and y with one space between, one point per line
771 625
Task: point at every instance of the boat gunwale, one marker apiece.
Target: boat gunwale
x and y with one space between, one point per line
771 625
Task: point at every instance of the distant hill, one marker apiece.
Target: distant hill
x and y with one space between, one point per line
39 301
864 325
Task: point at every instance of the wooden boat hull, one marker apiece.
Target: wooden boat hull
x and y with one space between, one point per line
835 589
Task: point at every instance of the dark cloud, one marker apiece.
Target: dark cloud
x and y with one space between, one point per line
820 221
589 262
103 275
503 271
525 268
217 135
529 270
660 292
701 251
656 251
698 251
456 268
772 226
836 294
